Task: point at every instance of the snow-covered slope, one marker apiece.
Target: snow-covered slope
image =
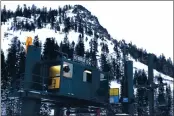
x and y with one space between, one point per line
8 33
137 65
44 33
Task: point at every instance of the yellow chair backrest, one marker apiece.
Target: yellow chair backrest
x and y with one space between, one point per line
28 42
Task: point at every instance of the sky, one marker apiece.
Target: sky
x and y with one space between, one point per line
148 24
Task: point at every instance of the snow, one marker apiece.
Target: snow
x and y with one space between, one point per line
70 14
20 19
35 92
111 50
42 34
73 36
137 65
167 79
122 114
5 41
52 112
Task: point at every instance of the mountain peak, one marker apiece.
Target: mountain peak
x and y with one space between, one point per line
90 20
80 7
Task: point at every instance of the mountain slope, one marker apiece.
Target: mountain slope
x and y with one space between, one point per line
77 16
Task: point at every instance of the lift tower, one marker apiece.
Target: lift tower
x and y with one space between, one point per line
151 85
128 95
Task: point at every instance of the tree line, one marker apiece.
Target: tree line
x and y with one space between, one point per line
14 65
43 16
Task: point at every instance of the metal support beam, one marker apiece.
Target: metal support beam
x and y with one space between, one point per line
58 111
33 56
151 85
125 88
150 80
129 76
30 107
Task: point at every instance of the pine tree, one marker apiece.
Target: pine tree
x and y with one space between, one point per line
4 83
67 25
169 101
4 14
80 48
29 12
12 58
14 23
96 35
71 51
33 10
32 27
80 28
104 62
87 54
4 78
25 12
90 32
36 41
105 48
93 51
10 14
64 46
21 65
75 26
60 20
161 98
118 67
43 16
86 29
49 50
22 60
57 27
114 68
52 19
48 18
60 11
72 23
13 71
56 46
39 25
105 67
86 39
19 11
142 96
